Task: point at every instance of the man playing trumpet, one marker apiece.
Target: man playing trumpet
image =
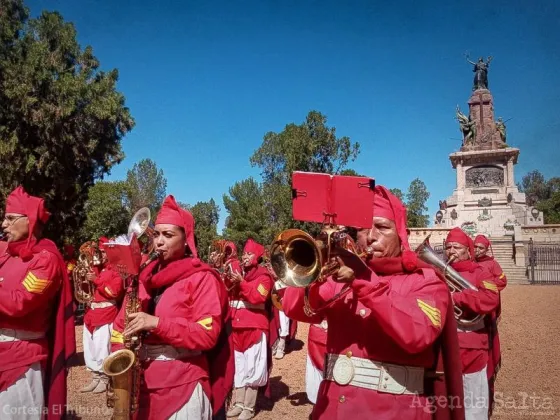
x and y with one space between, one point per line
385 324
473 339
481 247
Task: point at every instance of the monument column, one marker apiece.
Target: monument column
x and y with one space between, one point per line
460 176
510 180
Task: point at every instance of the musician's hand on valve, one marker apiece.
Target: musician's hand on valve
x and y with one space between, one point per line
140 321
344 274
235 277
90 276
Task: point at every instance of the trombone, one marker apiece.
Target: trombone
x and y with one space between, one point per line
455 282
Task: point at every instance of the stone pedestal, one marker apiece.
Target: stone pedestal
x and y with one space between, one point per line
481 110
486 199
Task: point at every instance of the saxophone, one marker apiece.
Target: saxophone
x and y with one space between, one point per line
123 366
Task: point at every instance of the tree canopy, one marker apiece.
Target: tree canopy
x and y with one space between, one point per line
206 215
543 194
416 198
61 118
145 186
249 215
106 214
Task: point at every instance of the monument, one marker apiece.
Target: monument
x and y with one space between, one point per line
486 198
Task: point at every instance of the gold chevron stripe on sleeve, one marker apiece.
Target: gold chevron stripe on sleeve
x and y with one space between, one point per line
490 286
117 337
433 314
262 290
502 276
206 323
33 284
109 292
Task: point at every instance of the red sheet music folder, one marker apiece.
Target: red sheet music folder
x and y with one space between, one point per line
335 199
127 255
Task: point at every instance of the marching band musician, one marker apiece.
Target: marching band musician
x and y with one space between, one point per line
36 318
99 317
184 308
473 340
250 323
482 245
385 324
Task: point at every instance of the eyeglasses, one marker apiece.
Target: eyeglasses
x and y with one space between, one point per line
10 219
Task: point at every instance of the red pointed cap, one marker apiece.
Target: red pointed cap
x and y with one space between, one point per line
33 207
171 213
458 235
255 248
387 205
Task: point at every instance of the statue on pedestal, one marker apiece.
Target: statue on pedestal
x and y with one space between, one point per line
501 127
480 72
467 127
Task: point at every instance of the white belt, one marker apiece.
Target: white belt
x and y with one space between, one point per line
479 325
241 304
101 305
8 335
381 377
164 352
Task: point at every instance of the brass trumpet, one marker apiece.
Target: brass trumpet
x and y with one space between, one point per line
298 260
455 282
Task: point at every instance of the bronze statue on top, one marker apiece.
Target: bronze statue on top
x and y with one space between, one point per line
480 72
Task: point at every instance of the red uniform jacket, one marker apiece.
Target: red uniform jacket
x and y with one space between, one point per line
495 354
317 344
35 296
27 295
474 340
249 324
391 319
108 288
191 313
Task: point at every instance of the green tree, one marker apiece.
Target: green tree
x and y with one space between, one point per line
106 214
349 172
61 117
535 187
311 146
249 216
206 216
551 208
145 186
416 199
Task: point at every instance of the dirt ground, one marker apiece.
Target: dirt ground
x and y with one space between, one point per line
527 385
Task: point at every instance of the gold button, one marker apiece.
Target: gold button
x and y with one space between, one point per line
386 378
349 354
342 399
384 386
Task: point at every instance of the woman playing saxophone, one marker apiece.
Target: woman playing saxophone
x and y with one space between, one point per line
182 306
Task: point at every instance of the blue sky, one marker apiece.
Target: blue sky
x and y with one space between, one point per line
206 80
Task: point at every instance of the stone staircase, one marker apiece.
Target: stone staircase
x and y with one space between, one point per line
503 253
